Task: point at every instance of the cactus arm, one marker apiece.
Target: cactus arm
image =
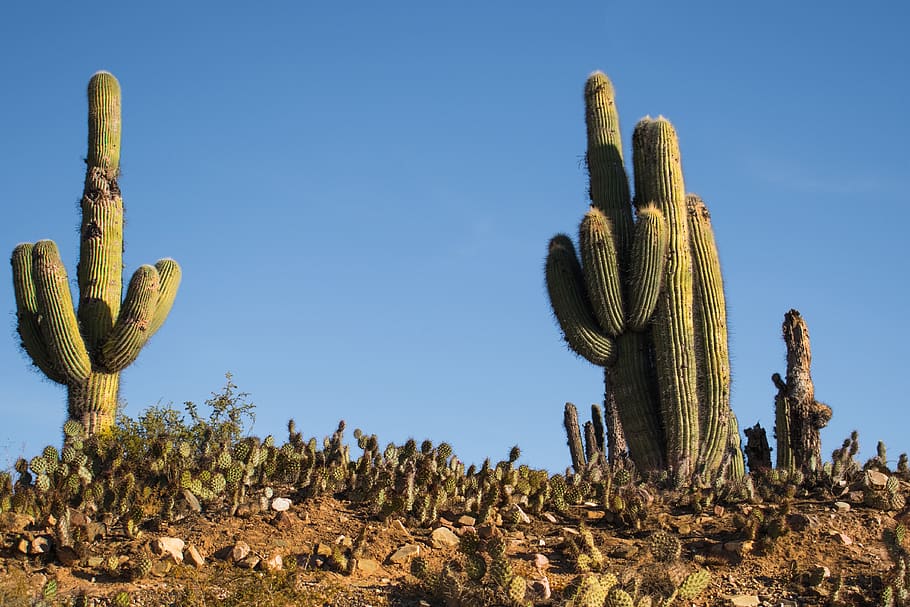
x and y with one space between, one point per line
658 180
573 437
710 315
101 232
648 259
131 330
28 318
565 285
169 274
608 182
55 305
600 266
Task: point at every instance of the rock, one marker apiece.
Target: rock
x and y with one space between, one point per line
486 531
405 554
94 531
594 515
240 551
442 537
194 557
367 566
818 574
280 504
798 521
398 526
744 600
22 546
285 520
40 545
13 522
244 510
522 517
162 568
249 561
842 538
94 562
876 479
842 506
541 588
549 517
541 562
466 520
192 501
569 531
169 546
273 563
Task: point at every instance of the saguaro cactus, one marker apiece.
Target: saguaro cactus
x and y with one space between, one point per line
646 300
86 349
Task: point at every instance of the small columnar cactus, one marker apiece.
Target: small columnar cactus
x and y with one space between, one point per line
86 348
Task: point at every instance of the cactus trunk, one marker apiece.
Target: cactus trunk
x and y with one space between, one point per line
93 402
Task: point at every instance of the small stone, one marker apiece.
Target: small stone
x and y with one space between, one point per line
192 501
22 546
273 563
541 562
594 515
249 562
40 545
683 529
798 521
842 538
268 492
842 506
569 531
718 510
367 566
442 537
466 520
876 479
244 510
549 517
818 574
541 588
524 518
240 551
485 532
398 526
194 557
744 600
446 522
280 504
94 562
404 554
285 520
170 546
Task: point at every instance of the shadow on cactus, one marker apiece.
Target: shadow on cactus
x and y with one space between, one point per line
85 349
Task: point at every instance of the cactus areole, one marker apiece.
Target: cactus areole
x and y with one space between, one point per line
86 348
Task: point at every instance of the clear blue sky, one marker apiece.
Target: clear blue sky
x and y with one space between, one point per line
361 196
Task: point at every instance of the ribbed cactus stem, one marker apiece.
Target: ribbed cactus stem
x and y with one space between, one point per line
648 260
59 326
659 181
28 315
608 183
573 437
710 314
104 122
600 265
565 284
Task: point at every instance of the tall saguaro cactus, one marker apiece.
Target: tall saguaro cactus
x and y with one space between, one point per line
646 299
86 349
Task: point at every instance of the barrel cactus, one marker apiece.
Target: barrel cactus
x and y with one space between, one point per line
643 298
86 348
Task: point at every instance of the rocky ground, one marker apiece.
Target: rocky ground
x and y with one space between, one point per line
808 552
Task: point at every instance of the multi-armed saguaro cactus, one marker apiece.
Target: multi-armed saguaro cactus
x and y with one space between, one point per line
86 350
646 300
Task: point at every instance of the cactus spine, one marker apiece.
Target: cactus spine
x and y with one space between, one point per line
86 349
646 300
